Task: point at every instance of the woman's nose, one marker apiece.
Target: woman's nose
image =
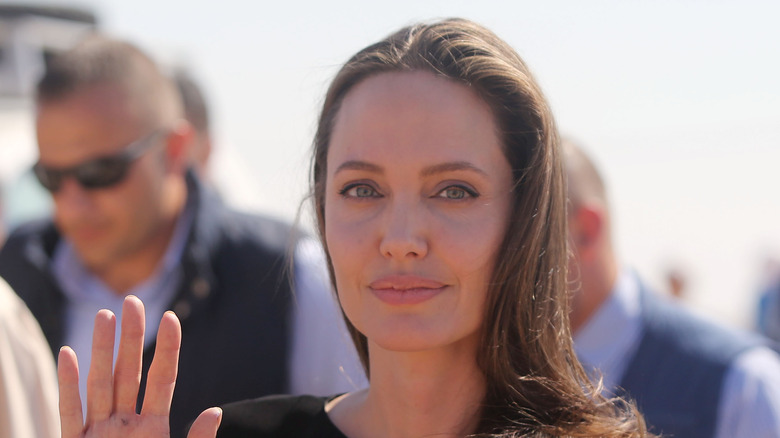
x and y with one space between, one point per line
404 233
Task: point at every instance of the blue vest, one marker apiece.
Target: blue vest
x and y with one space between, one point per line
676 375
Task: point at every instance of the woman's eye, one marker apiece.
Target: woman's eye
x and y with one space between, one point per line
359 191
456 193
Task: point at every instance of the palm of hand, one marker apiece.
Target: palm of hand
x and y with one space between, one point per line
129 426
112 394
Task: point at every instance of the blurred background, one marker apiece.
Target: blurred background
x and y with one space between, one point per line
678 101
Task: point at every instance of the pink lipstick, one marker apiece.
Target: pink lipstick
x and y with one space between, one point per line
405 289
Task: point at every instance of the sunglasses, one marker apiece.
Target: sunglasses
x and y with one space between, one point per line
99 173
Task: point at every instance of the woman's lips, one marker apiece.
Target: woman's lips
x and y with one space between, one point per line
405 289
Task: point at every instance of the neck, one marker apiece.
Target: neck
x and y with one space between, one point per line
432 393
596 286
133 269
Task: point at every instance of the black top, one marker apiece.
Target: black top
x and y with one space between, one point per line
278 416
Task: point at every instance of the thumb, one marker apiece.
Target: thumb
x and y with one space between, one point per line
206 425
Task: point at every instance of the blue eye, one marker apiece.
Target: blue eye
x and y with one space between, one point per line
359 191
457 193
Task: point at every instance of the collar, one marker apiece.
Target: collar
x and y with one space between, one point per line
194 242
611 336
196 262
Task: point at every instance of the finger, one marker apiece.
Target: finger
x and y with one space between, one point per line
207 423
162 372
100 380
127 371
71 416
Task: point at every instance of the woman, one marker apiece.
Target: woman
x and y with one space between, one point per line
440 200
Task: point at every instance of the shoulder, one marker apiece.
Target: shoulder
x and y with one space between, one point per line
750 402
261 228
20 330
33 227
311 265
35 230
10 304
235 230
757 369
217 224
276 416
673 326
27 252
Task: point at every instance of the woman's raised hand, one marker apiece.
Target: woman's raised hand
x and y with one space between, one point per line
112 394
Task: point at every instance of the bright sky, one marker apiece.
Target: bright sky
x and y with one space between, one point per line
678 101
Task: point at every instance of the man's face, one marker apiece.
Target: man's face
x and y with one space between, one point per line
115 223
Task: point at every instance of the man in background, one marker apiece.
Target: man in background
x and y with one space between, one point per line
196 112
130 218
689 377
768 315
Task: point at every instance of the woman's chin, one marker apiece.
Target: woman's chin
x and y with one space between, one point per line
417 340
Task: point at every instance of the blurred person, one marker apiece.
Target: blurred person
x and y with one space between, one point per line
28 385
196 112
220 167
440 199
768 315
129 218
677 282
689 377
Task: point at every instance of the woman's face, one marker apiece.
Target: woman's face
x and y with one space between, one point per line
417 201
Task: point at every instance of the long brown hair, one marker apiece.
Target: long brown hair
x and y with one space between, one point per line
535 384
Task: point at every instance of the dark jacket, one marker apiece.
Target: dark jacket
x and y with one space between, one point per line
232 301
676 376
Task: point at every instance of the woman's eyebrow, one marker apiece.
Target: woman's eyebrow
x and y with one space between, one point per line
428 171
451 167
359 165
